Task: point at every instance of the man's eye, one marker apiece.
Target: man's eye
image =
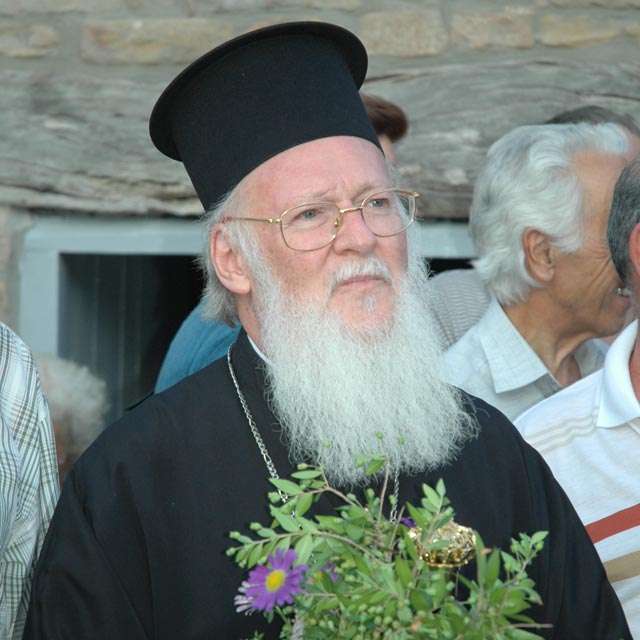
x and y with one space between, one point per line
306 215
378 203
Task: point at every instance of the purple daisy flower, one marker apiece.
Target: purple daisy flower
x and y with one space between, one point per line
272 584
408 522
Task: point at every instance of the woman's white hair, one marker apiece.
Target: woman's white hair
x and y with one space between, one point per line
529 181
77 401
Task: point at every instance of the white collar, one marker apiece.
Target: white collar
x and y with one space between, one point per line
257 349
618 401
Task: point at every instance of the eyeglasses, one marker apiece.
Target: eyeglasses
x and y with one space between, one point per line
312 226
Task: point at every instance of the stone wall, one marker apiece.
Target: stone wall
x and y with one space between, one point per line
79 78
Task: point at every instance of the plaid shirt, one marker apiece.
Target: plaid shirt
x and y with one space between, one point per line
28 478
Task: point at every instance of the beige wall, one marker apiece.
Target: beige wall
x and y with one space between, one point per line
79 78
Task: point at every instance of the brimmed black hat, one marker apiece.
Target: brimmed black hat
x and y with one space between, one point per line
258 95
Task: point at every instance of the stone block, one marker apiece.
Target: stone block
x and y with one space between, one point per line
27 41
403 33
15 7
208 7
609 4
578 31
511 28
154 41
633 30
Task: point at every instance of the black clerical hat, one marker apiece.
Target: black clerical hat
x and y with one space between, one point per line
258 95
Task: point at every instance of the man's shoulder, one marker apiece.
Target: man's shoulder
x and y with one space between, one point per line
573 402
469 345
164 419
197 343
16 359
466 364
494 431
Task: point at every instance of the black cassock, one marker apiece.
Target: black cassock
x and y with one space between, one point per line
136 546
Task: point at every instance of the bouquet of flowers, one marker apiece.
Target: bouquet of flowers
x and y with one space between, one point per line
358 574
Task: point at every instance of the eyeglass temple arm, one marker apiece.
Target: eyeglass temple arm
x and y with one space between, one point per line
232 218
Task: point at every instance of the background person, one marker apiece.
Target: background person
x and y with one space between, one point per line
77 404
589 433
28 478
460 298
538 218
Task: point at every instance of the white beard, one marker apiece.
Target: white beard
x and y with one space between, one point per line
343 391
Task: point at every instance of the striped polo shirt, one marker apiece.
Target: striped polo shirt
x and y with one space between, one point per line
589 434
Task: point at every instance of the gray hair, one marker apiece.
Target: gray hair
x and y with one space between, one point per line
528 181
595 114
219 302
624 216
77 401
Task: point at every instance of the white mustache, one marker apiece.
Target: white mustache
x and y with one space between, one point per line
373 267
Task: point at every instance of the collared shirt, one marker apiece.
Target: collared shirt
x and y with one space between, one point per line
494 362
589 434
28 478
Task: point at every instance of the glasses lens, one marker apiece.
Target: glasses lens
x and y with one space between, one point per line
310 226
389 212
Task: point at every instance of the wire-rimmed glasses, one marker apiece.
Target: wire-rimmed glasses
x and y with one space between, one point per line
314 225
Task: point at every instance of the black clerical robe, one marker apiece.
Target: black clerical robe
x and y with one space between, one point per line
136 548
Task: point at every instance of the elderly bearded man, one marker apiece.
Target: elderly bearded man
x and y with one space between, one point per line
309 250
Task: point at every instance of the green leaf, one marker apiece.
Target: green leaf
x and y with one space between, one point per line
405 616
403 571
255 556
288 523
433 498
419 600
308 474
284 543
303 503
374 466
354 532
416 515
410 546
492 569
288 487
515 603
361 565
330 523
303 548
307 525
393 585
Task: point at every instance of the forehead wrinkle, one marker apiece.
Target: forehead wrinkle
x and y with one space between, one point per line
325 171
331 194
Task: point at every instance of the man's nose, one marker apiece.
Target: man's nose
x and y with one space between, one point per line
353 234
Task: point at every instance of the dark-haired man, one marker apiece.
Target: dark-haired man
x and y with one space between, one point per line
589 433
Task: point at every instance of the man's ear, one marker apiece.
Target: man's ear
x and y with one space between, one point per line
539 255
228 263
634 250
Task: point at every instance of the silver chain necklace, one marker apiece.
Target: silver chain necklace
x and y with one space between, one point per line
273 472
